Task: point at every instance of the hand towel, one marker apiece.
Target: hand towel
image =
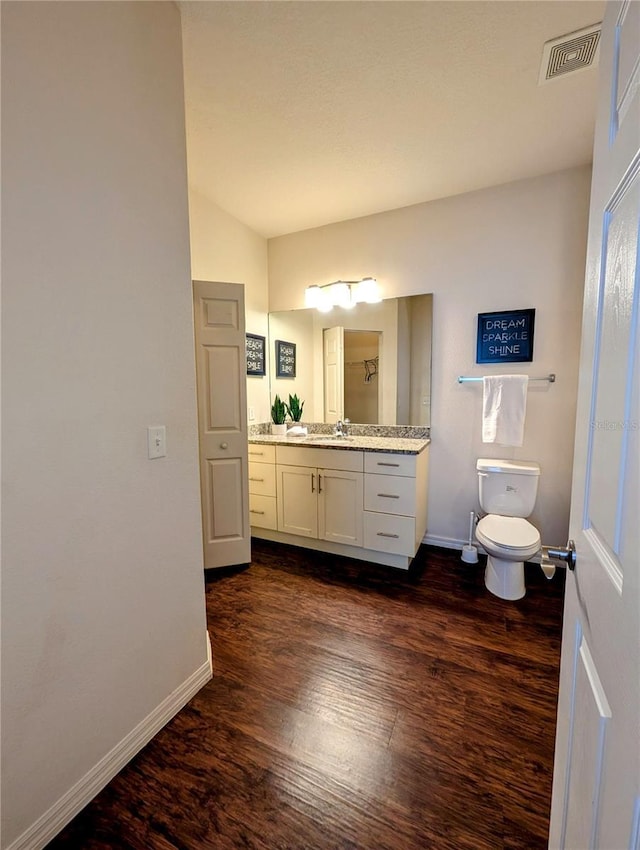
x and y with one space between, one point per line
297 431
504 406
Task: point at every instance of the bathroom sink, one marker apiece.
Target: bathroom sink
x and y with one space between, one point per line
327 438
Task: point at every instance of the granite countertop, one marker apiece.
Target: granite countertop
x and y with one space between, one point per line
396 445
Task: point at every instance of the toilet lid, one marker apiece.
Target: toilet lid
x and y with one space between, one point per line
510 531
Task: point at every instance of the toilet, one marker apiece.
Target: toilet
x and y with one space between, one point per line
507 490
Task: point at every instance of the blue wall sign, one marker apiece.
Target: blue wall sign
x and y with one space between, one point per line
505 337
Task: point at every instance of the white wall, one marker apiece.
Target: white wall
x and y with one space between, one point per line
222 248
513 246
298 329
103 596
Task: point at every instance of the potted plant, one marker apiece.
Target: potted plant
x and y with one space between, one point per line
294 408
278 415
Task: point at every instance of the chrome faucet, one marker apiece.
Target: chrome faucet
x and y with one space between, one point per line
342 428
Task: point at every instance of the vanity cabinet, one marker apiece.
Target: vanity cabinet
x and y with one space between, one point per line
320 493
365 504
262 486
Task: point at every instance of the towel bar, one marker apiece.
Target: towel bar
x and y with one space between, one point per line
462 379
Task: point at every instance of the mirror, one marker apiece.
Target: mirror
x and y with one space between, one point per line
370 364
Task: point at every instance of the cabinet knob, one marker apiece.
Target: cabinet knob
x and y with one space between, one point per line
224 445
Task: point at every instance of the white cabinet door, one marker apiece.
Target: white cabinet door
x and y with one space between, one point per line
222 421
320 503
340 504
297 498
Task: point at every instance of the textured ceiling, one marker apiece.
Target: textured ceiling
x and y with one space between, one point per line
304 113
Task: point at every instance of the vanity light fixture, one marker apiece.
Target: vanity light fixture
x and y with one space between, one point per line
342 293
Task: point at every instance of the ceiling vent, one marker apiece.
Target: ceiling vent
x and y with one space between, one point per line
570 53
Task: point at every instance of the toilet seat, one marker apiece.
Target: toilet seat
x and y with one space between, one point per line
511 533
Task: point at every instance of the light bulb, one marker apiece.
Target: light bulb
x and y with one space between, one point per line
340 294
312 296
367 291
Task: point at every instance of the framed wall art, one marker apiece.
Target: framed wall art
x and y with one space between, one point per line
285 359
256 350
505 336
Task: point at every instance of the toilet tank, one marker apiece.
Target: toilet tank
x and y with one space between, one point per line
507 487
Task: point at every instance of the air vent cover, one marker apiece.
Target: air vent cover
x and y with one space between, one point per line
570 53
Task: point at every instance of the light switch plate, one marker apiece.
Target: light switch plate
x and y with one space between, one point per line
157 441
252 414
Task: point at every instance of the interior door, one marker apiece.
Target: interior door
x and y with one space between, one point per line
222 422
596 788
333 360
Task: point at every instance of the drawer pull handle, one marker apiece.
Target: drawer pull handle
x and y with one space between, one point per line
319 483
260 454
385 495
384 534
313 482
382 463
256 479
257 512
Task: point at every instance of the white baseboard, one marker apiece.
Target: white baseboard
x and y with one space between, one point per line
453 543
444 542
76 798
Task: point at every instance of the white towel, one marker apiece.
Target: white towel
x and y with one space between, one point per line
503 409
297 431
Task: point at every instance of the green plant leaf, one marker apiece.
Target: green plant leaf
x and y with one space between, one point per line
294 408
278 411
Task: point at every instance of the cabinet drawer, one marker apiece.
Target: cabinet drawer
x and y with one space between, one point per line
262 479
262 511
263 454
388 463
390 494
349 461
387 533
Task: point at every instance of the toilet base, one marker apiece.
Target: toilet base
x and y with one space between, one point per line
505 579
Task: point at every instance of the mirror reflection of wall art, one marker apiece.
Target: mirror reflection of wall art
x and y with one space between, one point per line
285 359
255 345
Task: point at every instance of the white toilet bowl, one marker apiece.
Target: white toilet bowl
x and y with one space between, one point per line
509 542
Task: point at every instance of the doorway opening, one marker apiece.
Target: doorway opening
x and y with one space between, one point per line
362 376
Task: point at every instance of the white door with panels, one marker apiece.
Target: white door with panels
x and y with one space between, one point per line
596 787
333 353
222 421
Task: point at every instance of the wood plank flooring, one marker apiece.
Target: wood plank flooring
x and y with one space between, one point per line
353 707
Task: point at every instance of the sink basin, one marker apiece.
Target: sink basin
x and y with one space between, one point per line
327 438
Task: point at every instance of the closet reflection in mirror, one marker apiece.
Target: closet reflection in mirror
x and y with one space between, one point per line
370 364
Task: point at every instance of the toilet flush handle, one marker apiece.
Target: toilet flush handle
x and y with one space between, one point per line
562 553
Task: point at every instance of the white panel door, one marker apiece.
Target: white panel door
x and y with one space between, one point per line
222 422
596 787
333 353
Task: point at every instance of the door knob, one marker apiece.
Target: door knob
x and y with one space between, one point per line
562 553
224 445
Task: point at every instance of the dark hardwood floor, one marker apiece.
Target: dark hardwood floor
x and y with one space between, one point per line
352 707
